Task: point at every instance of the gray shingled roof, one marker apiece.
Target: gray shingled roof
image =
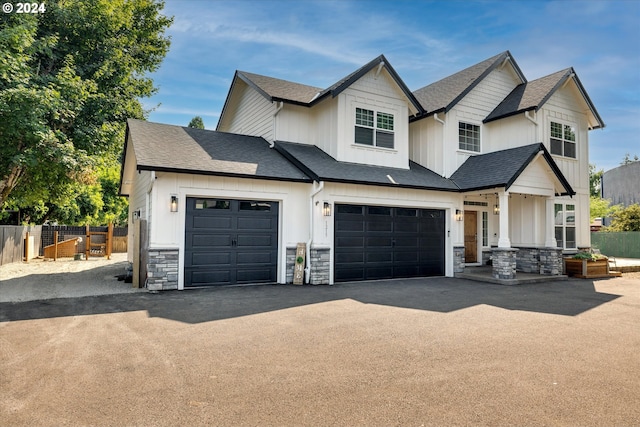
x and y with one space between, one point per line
528 96
179 149
534 94
502 168
322 167
281 89
445 93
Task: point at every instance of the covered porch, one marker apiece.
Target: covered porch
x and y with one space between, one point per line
510 224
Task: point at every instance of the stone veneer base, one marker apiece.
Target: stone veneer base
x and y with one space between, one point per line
162 269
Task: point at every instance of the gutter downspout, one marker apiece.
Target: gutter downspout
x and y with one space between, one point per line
307 270
278 108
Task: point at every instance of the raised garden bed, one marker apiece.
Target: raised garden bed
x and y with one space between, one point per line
587 268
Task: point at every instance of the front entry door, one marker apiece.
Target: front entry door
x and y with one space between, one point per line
470 236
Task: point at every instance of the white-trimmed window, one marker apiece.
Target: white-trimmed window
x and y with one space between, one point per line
374 128
565 225
469 137
563 140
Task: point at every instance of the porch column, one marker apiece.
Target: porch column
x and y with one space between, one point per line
503 239
550 232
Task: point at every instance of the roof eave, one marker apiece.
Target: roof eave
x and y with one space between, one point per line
217 173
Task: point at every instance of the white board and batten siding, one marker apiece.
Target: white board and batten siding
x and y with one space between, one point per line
380 93
251 114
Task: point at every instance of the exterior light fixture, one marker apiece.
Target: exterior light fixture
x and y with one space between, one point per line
496 207
326 209
174 203
459 215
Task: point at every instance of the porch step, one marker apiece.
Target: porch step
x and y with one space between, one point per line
484 274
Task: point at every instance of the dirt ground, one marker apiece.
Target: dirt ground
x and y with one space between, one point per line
62 265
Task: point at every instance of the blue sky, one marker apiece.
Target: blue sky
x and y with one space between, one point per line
318 42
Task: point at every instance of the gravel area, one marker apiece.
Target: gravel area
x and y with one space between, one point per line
64 278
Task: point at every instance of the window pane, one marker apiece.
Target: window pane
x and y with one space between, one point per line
571 237
557 212
570 149
379 210
212 204
406 212
255 206
570 218
556 146
349 209
556 130
469 136
559 237
364 136
569 133
384 139
364 117
385 121
485 229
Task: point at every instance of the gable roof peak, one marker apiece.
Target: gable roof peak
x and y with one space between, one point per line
444 94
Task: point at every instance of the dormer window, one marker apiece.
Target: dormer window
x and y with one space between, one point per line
374 128
563 140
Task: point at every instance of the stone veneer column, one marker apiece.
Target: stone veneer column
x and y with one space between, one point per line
162 269
528 260
504 263
458 259
551 261
320 266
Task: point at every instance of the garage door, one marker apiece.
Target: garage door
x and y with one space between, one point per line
230 242
380 242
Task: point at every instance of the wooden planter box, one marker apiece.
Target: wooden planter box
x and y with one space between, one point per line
586 269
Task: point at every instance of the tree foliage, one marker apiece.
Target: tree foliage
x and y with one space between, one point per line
69 79
625 219
600 208
628 159
595 180
196 122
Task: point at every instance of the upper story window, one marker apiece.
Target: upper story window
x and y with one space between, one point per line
376 132
563 140
469 137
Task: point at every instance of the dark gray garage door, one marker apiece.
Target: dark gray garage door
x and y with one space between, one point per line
230 242
378 242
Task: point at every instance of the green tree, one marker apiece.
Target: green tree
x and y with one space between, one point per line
69 79
625 219
600 208
627 159
595 181
196 122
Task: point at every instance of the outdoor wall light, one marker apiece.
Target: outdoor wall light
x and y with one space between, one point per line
174 203
459 215
496 209
326 209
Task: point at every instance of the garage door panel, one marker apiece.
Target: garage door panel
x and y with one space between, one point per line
210 259
230 241
209 276
248 223
392 241
212 222
208 240
373 257
350 242
256 240
246 258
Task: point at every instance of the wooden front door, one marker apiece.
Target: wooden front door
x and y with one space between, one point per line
470 236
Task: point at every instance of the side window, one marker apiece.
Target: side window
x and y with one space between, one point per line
469 137
565 225
562 140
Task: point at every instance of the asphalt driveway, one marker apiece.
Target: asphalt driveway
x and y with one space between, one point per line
407 352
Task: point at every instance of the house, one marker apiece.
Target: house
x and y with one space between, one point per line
376 180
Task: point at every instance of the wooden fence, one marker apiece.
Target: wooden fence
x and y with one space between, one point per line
12 242
623 244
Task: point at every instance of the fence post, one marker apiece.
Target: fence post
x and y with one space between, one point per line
109 241
26 247
55 245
